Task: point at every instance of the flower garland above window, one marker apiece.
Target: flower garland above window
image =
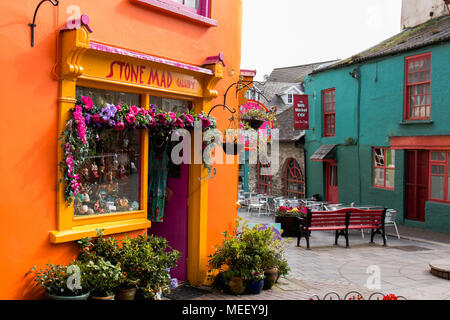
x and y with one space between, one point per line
87 120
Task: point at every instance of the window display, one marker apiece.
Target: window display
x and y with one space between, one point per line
109 177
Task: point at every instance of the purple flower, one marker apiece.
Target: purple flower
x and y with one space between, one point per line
88 119
111 122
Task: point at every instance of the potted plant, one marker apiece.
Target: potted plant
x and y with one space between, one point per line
62 282
248 250
147 261
289 217
256 282
254 118
103 278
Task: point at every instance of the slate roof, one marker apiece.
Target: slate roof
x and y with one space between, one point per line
285 125
293 74
431 32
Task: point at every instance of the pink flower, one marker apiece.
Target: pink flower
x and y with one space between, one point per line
120 126
205 123
119 108
189 118
131 118
134 110
161 117
142 111
179 123
96 117
172 115
87 102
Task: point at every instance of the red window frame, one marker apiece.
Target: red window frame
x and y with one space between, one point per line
384 167
264 184
329 112
294 182
445 163
418 87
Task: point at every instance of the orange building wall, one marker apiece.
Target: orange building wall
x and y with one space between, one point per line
28 112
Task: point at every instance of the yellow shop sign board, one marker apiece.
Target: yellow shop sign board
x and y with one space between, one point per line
140 74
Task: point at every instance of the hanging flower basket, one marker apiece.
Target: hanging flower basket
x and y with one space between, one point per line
253 123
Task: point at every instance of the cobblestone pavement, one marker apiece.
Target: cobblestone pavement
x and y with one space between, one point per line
402 266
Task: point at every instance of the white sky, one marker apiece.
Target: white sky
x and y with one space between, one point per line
283 33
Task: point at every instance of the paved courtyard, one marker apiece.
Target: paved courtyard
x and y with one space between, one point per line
401 268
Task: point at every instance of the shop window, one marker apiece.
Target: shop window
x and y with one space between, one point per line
264 184
110 177
384 168
440 176
294 182
329 112
418 87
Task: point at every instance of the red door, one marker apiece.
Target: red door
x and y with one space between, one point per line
416 181
331 192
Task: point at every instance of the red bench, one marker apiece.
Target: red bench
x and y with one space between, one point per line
342 221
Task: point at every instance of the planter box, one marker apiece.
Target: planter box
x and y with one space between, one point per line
289 225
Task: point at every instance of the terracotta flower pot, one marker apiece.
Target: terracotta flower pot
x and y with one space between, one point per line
236 285
271 278
126 294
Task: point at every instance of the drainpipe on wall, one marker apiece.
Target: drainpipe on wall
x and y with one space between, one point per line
356 74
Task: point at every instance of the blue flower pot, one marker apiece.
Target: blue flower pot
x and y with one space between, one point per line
256 286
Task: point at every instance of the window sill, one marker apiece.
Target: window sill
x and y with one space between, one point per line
177 11
412 122
77 233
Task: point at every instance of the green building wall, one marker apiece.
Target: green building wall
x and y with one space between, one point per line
377 106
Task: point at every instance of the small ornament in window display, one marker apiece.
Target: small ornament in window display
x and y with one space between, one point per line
109 178
122 171
115 165
94 169
133 168
135 205
85 174
125 143
124 202
90 211
86 197
84 209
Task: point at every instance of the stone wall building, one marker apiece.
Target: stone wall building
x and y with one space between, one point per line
277 91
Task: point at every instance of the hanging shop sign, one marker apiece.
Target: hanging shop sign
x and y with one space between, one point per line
301 112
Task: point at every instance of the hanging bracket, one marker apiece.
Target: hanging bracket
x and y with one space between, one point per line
33 24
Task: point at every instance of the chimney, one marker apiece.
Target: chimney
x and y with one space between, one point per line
415 12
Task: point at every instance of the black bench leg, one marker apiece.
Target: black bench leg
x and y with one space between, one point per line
383 233
336 237
307 240
372 234
346 239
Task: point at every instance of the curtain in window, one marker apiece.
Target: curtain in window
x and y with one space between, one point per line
158 170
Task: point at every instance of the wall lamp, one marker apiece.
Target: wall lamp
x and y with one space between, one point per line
33 24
